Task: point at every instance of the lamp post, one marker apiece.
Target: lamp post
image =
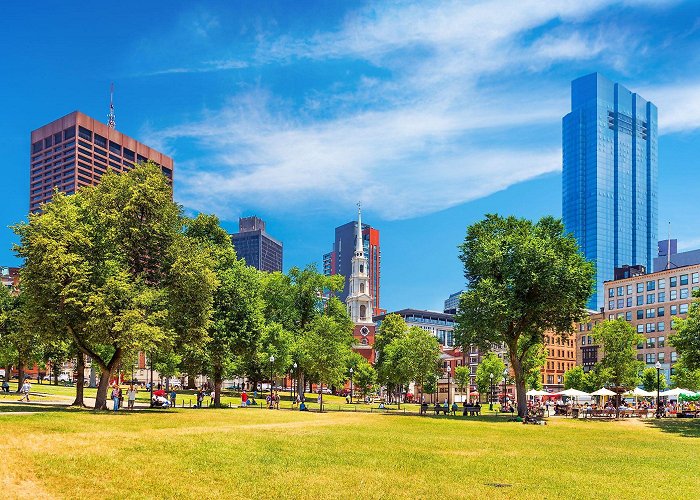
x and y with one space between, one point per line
491 392
658 389
294 383
449 369
272 360
505 379
351 371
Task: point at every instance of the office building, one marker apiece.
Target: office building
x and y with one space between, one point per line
9 276
452 303
610 176
670 258
561 357
258 248
76 150
339 259
650 302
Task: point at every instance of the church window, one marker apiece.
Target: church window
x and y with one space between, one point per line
362 288
362 268
363 311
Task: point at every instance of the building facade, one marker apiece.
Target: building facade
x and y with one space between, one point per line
561 356
609 178
339 259
670 258
258 248
9 276
452 302
76 150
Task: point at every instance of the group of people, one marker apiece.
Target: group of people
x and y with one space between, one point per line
468 408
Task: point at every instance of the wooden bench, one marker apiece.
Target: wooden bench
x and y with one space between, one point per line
471 410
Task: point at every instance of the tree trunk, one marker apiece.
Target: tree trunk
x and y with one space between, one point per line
218 381
107 370
190 381
519 382
321 398
20 374
80 381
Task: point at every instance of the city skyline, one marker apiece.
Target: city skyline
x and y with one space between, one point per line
316 113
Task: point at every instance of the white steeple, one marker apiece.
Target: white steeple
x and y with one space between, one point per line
359 300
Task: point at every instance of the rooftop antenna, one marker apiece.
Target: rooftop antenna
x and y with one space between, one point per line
110 116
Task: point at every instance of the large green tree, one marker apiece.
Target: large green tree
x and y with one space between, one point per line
462 376
684 378
392 327
489 372
649 379
364 377
523 279
575 378
686 340
110 269
618 341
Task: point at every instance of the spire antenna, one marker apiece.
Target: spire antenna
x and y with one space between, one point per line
110 116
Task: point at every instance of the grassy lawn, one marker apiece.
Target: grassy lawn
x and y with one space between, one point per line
268 454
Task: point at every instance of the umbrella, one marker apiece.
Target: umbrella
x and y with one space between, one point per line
572 393
639 392
674 393
603 392
534 392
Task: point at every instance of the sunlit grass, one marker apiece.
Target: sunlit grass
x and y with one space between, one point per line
267 454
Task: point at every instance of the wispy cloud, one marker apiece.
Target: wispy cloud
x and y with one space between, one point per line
457 113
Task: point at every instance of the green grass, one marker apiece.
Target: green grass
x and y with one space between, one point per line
268 454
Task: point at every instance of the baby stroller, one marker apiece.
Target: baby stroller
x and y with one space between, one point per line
159 400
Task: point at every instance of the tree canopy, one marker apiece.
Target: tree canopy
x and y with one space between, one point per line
687 337
618 341
523 279
490 364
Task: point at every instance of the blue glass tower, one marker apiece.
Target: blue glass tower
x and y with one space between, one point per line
609 179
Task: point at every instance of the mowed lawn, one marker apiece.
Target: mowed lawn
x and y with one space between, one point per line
251 453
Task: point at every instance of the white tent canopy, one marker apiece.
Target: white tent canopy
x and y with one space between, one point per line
640 393
534 392
674 393
603 392
572 393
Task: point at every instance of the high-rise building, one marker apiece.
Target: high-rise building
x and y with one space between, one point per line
76 150
258 248
339 260
610 176
670 258
452 302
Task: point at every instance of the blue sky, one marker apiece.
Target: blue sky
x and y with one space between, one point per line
430 113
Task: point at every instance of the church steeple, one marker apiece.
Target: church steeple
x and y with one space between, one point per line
359 300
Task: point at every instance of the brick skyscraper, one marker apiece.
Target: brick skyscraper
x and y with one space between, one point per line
76 150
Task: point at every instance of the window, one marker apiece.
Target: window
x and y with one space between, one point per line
662 357
660 326
672 281
684 293
662 297
651 298
660 312
628 315
651 327
640 313
611 292
100 141
620 291
651 285
674 295
629 289
640 357
662 283
640 287
629 301
674 357
621 302
684 279
611 304
674 310
662 340
48 141
651 313
84 133
651 358
68 133
695 277
129 154
640 328
640 300
583 340
640 344
651 343
115 148
684 308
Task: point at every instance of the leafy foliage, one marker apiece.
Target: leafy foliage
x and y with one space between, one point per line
619 341
687 337
649 379
490 364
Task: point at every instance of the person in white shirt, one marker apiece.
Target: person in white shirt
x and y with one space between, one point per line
26 388
131 396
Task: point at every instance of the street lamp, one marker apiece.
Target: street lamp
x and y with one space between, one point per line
449 369
294 383
505 379
272 360
491 392
658 389
351 370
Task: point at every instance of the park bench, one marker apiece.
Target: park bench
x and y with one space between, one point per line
471 410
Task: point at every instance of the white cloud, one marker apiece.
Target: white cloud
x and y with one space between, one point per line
678 104
427 137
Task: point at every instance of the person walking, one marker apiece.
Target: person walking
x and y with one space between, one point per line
26 389
173 397
131 396
200 397
115 395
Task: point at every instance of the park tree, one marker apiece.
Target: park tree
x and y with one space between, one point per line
488 373
523 279
20 346
685 378
649 380
687 337
618 341
237 320
392 327
364 377
110 269
532 366
462 376
575 378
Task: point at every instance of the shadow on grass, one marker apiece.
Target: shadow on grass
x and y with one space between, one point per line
34 408
681 426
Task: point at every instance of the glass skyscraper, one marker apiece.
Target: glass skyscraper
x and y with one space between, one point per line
609 178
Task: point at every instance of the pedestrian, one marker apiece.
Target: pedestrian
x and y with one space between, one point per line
244 399
5 386
115 396
200 397
277 400
26 388
173 396
131 396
